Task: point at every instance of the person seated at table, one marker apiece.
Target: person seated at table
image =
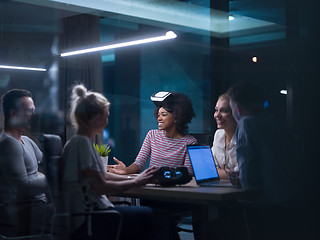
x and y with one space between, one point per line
167 145
224 143
85 181
22 186
266 159
268 162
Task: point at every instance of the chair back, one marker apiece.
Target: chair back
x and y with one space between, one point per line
52 148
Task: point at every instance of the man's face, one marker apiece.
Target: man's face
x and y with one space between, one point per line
22 116
235 111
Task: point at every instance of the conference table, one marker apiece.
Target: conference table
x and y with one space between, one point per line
203 202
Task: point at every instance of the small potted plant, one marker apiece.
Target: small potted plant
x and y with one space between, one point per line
103 150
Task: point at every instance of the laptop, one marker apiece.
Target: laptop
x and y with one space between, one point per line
204 167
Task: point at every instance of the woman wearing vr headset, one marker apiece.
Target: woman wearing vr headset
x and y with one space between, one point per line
167 145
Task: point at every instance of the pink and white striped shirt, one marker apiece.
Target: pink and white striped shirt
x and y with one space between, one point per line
164 151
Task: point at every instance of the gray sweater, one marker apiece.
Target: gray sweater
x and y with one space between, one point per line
19 179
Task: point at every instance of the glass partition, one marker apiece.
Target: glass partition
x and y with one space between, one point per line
218 43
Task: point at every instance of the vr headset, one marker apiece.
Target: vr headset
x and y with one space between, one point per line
159 96
163 99
170 176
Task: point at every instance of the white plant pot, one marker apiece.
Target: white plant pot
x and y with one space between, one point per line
105 162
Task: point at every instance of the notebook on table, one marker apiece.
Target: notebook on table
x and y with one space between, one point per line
204 167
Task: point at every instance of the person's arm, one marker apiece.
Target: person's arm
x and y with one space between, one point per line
103 186
122 169
187 162
141 159
15 171
222 174
117 177
248 157
218 153
145 152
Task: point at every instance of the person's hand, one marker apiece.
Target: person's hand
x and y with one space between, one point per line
40 175
119 168
146 176
234 177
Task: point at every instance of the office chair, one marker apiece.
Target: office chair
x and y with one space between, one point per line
9 232
52 148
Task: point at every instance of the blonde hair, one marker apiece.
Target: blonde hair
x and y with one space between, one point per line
85 105
224 96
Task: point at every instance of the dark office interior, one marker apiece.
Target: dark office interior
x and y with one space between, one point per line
273 43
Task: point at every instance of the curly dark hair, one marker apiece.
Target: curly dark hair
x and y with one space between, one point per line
180 106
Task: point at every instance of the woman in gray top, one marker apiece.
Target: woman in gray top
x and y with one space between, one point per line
84 179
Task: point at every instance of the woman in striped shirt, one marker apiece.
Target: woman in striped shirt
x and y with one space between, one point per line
166 146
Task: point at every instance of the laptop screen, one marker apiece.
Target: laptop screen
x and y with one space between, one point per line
203 164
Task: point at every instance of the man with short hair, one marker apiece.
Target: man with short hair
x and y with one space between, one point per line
268 162
265 156
20 181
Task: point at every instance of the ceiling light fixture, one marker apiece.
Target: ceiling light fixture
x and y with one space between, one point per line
254 59
23 68
167 36
231 18
284 92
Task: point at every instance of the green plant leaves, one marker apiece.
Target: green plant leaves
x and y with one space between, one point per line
102 149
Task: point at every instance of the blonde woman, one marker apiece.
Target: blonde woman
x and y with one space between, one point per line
224 143
84 178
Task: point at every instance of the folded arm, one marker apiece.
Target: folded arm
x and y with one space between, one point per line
15 174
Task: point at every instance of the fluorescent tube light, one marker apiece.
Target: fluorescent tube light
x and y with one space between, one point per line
167 36
23 68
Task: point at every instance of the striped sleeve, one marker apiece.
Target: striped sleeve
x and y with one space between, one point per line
145 151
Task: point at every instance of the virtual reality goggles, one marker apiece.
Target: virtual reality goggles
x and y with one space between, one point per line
170 176
159 96
163 99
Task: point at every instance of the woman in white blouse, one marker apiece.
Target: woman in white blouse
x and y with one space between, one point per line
224 143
